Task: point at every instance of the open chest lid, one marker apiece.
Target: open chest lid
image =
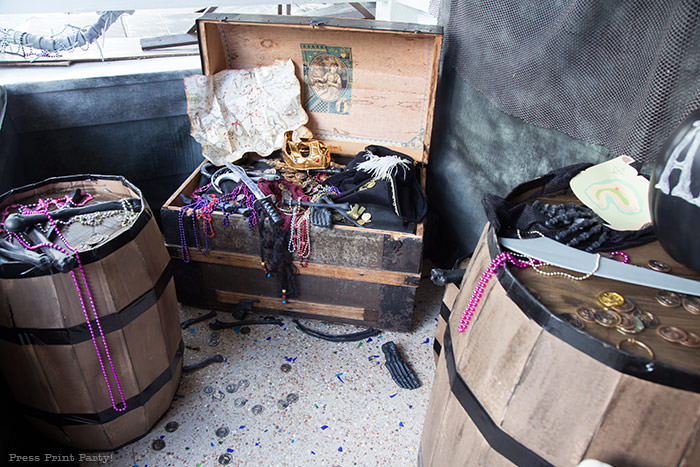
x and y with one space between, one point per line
363 82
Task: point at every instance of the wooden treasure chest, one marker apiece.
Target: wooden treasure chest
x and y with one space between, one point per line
385 97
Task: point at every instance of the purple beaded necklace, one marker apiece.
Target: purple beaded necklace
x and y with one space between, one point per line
498 261
202 208
82 289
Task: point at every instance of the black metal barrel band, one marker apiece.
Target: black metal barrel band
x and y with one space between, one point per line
107 415
80 333
499 440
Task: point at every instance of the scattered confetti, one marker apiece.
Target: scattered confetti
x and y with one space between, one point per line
340 449
290 359
369 339
241 427
323 427
359 345
394 394
313 453
426 341
269 338
410 406
229 450
191 331
339 377
401 424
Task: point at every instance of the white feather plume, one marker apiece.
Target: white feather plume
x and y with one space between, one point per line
380 167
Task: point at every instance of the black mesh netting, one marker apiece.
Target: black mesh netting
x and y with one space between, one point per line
621 74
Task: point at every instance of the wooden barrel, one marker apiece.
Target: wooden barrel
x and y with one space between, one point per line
71 386
521 385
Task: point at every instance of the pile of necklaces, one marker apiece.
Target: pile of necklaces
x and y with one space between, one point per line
286 188
48 234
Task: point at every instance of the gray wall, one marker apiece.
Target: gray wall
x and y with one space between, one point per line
134 125
478 149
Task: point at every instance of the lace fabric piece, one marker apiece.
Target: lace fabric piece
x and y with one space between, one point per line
239 111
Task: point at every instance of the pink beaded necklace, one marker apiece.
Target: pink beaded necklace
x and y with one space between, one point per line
498 261
82 289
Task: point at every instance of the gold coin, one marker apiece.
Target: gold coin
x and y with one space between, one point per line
587 313
691 304
692 340
607 318
657 265
669 299
626 307
672 333
611 299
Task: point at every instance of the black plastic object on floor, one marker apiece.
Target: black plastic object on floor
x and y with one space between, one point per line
189 322
399 370
352 337
196 366
243 307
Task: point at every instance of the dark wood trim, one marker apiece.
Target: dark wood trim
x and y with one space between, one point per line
313 269
322 310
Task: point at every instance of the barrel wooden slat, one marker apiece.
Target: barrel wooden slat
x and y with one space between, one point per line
26 306
437 405
169 318
691 457
492 370
635 405
558 384
145 358
23 370
448 301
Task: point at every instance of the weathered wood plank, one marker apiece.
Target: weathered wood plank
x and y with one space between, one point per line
312 269
271 303
560 399
651 424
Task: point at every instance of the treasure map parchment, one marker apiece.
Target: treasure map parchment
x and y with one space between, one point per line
239 111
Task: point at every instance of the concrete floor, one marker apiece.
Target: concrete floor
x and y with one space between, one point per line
349 411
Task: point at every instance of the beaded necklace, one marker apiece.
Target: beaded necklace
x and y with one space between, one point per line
522 262
82 288
202 208
300 235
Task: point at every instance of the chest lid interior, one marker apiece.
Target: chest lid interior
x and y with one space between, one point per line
363 82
